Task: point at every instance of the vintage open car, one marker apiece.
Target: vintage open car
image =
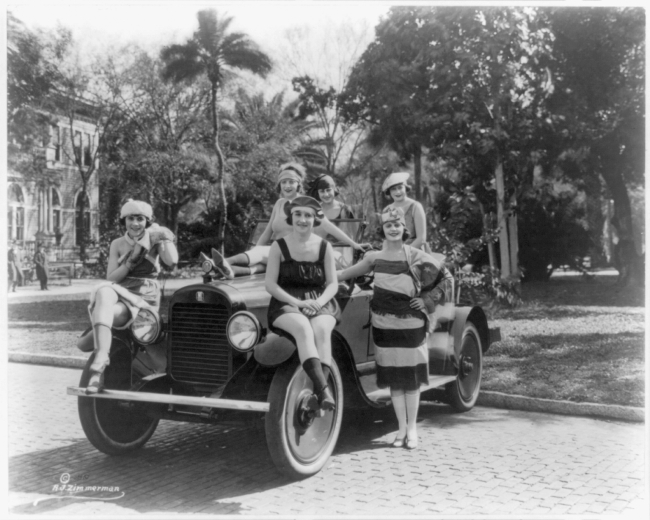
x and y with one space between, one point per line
214 360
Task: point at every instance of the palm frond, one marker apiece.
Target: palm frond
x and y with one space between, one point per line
240 52
182 62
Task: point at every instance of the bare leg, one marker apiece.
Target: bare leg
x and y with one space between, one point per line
238 259
300 327
107 311
323 327
412 405
399 404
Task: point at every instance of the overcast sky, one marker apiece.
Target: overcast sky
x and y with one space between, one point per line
156 21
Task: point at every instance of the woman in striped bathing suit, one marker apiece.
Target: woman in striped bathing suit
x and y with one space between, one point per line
408 285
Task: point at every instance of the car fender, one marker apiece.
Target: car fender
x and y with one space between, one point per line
274 350
477 316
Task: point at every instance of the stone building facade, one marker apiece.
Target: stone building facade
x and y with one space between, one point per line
46 207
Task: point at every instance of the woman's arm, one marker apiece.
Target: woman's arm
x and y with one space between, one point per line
271 279
265 237
331 287
420 221
365 265
115 272
338 233
168 253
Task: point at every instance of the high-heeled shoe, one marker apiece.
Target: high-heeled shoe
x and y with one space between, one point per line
326 399
399 442
411 444
96 381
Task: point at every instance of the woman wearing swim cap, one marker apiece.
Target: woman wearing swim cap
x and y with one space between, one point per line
301 278
290 181
133 266
395 187
409 285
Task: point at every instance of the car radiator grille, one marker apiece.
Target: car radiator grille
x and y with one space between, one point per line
199 347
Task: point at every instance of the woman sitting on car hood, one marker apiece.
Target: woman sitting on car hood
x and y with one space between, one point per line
133 266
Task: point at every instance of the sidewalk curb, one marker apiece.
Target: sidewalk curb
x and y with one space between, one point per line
486 397
531 404
47 359
66 296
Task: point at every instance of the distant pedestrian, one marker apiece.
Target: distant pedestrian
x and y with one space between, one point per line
42 265
15 266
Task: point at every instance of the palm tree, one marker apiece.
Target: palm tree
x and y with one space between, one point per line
214 51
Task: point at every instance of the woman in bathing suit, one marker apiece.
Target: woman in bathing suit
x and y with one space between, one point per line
133 265
290 180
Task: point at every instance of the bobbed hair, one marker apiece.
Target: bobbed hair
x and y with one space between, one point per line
387 192
405 235
289 220
299 190
148 224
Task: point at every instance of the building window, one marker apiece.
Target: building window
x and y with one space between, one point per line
56 142
56 211
87 150
15 213
77 147
82 224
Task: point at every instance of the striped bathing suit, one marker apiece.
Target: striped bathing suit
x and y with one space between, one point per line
398 331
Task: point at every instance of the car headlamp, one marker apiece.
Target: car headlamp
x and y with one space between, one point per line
146 326
243 331
206 266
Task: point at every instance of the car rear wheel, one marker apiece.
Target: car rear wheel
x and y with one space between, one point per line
114 427
300 441
462 394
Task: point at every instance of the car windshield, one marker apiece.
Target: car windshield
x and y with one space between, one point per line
353 227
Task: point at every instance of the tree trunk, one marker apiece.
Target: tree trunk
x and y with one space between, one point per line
513 236
417 172
504 249
220 166
82 221
630 265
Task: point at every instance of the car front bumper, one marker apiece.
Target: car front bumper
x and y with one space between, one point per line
184 400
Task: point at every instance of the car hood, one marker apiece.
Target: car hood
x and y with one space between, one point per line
249 289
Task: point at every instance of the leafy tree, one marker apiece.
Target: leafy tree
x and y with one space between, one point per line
330 140
258 136
32 76
599 100
213 51
156 152
467 86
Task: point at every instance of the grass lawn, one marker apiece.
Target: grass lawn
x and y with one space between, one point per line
572 339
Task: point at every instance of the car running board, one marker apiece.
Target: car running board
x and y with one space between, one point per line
150 397
382 395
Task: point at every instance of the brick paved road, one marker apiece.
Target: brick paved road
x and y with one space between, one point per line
488 461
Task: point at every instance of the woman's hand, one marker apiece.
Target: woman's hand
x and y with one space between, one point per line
418 303
137 256
158 234
362 247
310 307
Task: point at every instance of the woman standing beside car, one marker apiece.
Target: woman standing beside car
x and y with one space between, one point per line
408 286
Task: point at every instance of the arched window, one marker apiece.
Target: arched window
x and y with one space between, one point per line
82 224
56 210
15 213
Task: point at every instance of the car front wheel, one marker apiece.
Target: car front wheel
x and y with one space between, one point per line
462 394
300 441
112 426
